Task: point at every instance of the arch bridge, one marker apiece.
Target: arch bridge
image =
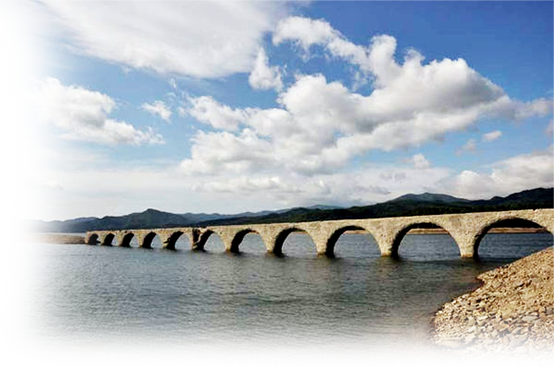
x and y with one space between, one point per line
466 229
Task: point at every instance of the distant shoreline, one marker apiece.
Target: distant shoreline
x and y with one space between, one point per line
7 235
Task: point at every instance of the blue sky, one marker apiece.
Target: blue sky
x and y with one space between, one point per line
211 107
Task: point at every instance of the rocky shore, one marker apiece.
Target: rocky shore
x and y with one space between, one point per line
513 311
7 235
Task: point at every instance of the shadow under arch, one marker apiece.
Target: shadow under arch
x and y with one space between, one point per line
148 240
209 238
282 236
126 241
239 237
93 239
171 243
108 239
400 235
335 236
510 223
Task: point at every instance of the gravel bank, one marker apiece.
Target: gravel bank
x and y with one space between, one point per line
513 311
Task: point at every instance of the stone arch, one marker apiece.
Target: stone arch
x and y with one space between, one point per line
204 237
93 239
147 240
334 237
400 234
512 221
282 236
239 237
126 240
171 241
107 241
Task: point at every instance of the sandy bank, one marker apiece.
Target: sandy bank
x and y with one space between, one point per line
64 239
513 311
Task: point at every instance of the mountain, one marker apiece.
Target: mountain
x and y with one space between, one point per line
150 218
56 225
427 197
410 204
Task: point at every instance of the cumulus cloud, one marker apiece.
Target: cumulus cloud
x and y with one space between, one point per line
420 161
15 140
320 125
493 135
207 110
14 177
204 39
521 172
84 115
305 144
158 108
264 76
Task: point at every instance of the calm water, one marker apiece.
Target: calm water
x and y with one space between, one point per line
110 293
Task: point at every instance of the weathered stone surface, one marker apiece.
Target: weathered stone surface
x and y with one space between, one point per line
466 230
509 320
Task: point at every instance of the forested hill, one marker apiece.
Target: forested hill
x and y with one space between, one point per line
411 204
407 205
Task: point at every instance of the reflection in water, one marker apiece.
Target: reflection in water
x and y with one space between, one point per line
190 296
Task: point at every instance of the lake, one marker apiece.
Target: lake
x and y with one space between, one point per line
186 297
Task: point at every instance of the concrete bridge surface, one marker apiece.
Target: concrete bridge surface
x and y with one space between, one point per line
466 229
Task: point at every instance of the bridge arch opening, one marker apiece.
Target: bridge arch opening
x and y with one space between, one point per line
511 238
425 241
249 241
151 240
128 239
211 241
178 241
108 239
297 241
93 239
352 241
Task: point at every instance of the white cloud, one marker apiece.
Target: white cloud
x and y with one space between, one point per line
470 146
201 39
420 161
13 177
16 141
320 125
158 108
305 32
493 135
84 115
209 111
374 183
511 175
264 76
224 152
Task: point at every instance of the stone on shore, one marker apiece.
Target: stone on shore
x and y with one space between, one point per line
513 311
